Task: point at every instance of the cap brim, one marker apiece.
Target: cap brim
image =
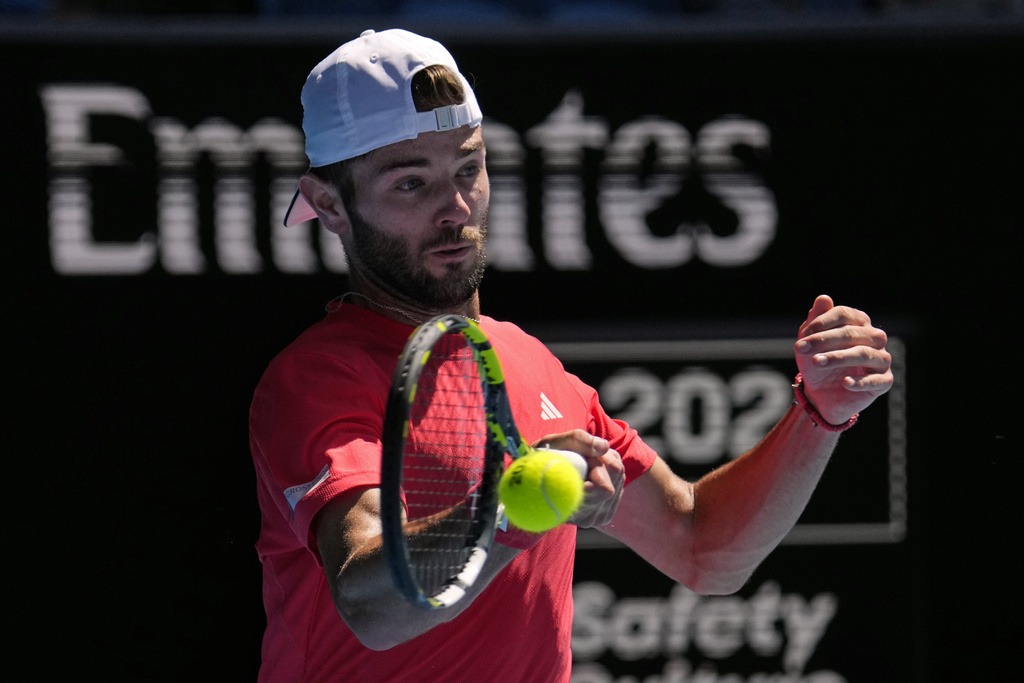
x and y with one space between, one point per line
298 211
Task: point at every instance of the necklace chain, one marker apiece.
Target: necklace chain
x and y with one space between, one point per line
335 304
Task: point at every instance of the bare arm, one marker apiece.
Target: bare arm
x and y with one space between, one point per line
348 536
711 535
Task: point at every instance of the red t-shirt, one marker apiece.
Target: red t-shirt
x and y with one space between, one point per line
314 433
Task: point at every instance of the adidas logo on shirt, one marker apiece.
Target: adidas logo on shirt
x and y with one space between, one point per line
548 411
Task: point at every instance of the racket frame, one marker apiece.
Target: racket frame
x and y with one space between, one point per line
502 437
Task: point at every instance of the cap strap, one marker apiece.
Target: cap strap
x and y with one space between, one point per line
445 118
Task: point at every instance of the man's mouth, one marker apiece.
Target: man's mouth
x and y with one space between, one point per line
453 252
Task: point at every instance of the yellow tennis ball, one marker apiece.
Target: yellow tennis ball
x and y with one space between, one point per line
540 491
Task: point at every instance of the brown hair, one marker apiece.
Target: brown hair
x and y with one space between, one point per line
432 87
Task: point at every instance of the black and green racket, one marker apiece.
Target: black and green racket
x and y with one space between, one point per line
447 429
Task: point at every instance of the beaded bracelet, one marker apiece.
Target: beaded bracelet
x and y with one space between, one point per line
800 399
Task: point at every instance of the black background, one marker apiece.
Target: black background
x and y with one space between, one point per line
896 166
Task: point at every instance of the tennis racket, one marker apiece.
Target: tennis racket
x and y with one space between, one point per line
447 428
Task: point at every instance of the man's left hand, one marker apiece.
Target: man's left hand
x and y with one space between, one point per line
843 360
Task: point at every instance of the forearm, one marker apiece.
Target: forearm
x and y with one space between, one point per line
742 510
367 599
712 535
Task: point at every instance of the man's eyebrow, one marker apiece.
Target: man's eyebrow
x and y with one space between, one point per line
473 145
414 162
423 162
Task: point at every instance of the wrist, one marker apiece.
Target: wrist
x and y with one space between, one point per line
800 399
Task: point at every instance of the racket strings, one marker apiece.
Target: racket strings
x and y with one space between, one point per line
444 460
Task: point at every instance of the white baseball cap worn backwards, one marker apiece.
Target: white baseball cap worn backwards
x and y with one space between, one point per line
360 98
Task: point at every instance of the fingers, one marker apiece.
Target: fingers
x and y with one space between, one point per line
843 359
606 469
829 327
605 465
875 383
587 445
602 492
850 355
845 325
605 479
824 314
822 304
606 474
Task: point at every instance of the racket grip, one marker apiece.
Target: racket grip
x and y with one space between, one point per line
577 460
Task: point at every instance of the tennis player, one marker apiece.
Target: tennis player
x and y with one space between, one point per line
394 139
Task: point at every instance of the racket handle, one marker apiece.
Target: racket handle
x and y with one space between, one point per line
577 460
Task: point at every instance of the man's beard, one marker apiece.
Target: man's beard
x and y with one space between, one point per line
389 263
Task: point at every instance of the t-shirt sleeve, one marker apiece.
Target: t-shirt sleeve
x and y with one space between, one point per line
637 456
315 426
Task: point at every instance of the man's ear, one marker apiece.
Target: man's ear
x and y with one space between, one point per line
323 198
